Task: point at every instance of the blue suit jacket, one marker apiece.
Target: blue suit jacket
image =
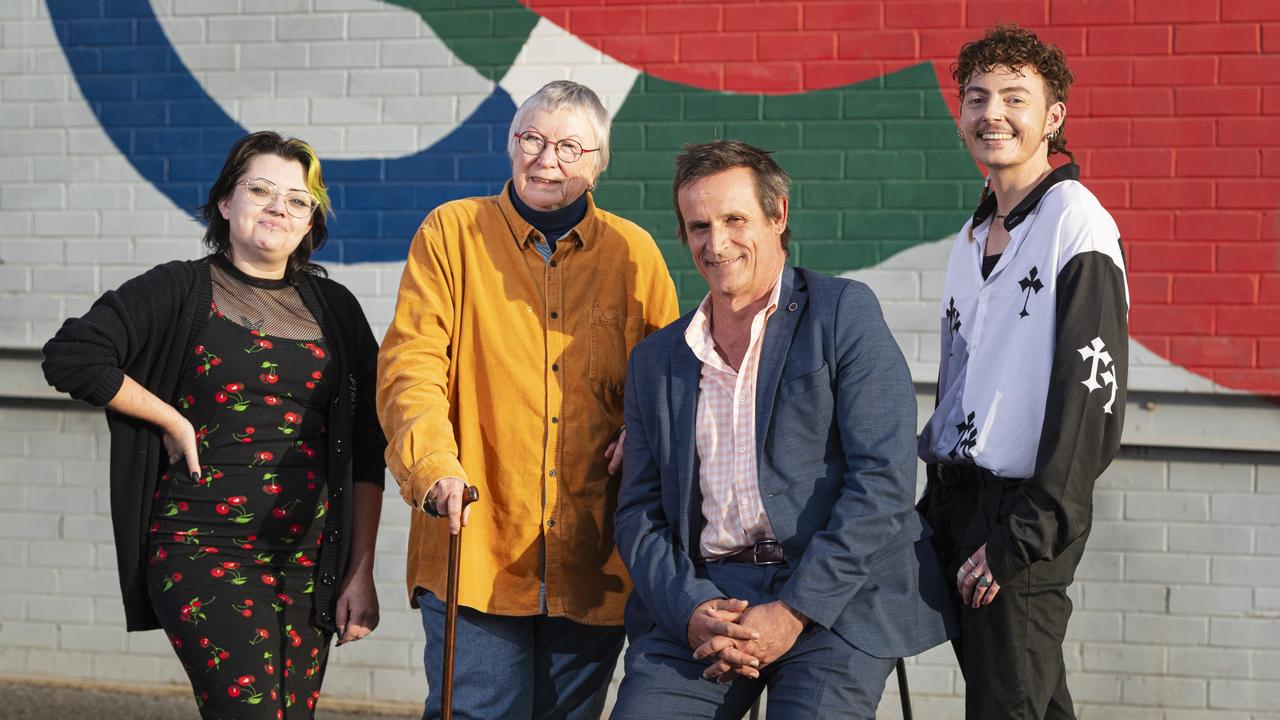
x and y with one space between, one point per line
835 444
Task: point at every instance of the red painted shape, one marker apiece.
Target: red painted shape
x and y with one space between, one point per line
1203 289
1186 11
1237 10
1214 351
844 16
1269 351
763 17
1175 119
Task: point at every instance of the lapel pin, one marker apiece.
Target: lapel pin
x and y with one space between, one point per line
792 307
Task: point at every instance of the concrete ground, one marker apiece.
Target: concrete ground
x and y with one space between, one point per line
32 701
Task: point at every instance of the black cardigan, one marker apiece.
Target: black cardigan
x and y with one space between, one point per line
145 330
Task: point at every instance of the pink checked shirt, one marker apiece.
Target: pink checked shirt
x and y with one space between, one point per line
725 433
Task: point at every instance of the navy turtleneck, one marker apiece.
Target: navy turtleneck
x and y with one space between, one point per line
553 224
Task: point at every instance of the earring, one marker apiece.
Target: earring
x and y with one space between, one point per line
1053 136
959 134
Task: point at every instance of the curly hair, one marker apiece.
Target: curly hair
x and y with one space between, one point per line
1016 48
217 235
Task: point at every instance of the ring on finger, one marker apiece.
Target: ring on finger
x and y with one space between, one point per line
974 574
984 581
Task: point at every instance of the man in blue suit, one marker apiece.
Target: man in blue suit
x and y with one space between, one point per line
765 512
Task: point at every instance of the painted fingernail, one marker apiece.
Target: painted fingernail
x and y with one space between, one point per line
195 477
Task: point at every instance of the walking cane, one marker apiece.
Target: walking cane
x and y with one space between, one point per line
902 690
469 495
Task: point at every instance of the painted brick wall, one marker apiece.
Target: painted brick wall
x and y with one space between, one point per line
116 115
1173 120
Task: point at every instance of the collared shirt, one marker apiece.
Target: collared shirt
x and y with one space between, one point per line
506 370
1000 333
725 431
1034 365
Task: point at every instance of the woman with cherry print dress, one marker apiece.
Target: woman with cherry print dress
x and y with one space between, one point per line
246 464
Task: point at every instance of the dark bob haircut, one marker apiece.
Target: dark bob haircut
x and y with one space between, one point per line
705 159
217 233
1016 48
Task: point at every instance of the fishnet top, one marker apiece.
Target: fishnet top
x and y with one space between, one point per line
271 307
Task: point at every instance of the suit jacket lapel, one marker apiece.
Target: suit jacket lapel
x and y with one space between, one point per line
686 374
773 356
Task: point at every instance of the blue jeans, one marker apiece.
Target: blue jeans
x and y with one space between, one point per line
821 676
519 668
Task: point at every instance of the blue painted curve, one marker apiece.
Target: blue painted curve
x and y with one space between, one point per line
176 136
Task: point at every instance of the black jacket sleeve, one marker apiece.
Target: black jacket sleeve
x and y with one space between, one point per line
87 356
1084 417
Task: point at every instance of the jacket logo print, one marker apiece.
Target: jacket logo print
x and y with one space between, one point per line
1029 284
1096 354
953 317
967 438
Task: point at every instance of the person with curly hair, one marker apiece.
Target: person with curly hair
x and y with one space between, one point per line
1031 386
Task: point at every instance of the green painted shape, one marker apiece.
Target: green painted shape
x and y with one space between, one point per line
485 34
876 167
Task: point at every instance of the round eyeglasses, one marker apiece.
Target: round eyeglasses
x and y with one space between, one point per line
533 143
262 192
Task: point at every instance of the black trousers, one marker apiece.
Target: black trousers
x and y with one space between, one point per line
1011 650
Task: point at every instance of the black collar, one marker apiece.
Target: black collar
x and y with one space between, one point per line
553 224
987 207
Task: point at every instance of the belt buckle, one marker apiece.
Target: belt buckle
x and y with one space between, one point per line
755 553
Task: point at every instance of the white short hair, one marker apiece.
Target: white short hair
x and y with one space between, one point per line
561 95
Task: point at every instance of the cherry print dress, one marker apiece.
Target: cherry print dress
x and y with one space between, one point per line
232 554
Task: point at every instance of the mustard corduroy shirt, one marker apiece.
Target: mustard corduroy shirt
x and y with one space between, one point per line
507 371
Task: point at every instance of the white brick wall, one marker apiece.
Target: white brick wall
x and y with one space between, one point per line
1172 612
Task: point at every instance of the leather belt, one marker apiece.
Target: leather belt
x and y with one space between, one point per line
765 552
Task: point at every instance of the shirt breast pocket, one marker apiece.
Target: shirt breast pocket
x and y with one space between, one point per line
612 335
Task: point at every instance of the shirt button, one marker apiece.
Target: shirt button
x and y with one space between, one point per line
555 420
551 522
552 263
742 449
554 314
555 367
551 473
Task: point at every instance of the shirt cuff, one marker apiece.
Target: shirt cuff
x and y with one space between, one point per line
426 473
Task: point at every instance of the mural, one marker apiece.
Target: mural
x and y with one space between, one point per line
1173 120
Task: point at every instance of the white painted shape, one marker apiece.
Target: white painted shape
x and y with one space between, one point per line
553 53
259 73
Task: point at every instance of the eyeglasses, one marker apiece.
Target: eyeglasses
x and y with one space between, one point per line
532 143
263 192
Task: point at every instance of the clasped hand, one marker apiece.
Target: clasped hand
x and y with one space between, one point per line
738 640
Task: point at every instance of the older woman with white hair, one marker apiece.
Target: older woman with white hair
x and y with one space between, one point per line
503 369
